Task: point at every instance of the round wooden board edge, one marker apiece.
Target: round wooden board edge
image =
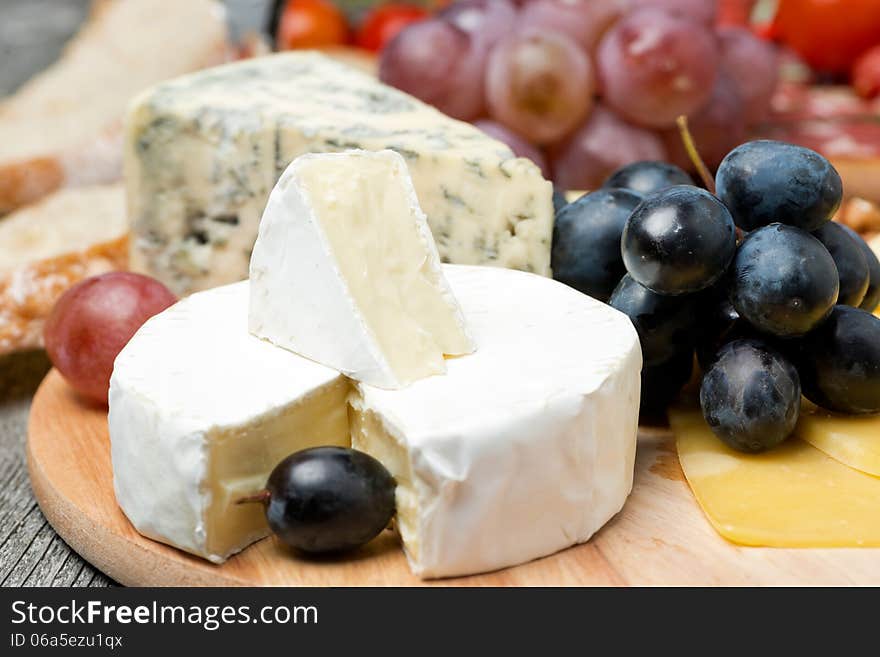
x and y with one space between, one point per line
613 557
136 560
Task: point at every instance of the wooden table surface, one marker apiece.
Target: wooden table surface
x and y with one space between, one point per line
32 32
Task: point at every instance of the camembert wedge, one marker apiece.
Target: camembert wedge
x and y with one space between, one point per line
345 272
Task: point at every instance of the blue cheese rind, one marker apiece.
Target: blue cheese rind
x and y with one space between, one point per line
203 152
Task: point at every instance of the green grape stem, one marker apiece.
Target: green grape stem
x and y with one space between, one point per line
261 497
691 148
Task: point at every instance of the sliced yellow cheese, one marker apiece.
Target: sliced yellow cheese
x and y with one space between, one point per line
792 496
853 440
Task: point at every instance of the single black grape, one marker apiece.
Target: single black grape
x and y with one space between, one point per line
764 182
665 324
663 382
329 499
718 320
559 201
586 241
872 295
839 362
679 240
751 396
708 350
648 176
783 280
852 267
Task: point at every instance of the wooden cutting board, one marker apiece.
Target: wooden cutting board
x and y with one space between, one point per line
660 537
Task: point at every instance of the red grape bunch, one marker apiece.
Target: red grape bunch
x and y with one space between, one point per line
582 87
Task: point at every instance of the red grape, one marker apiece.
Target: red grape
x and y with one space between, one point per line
518 144
753 65
654 66
94 320
585 21
436 62
485 21
599 147
539 85
717 128
702 11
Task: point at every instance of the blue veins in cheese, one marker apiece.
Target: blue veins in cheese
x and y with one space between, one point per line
203 152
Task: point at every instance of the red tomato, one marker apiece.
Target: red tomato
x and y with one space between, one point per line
866 74
766 30
829 34
735 12
383 23
311 24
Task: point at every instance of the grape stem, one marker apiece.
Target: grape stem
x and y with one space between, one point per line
691 148
262 497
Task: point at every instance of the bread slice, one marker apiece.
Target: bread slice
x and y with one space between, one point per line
64 127
860 214
859 177
47 247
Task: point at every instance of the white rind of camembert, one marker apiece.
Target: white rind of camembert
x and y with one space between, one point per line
346 273
525 447
200 413
203 152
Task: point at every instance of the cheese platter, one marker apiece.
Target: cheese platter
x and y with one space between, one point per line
660 538
360 340
833 119
494 453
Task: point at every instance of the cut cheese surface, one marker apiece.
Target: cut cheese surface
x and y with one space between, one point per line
852 440
203 152
200 413
345 272
524 447
792 496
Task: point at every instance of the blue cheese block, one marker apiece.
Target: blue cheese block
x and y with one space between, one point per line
202 153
